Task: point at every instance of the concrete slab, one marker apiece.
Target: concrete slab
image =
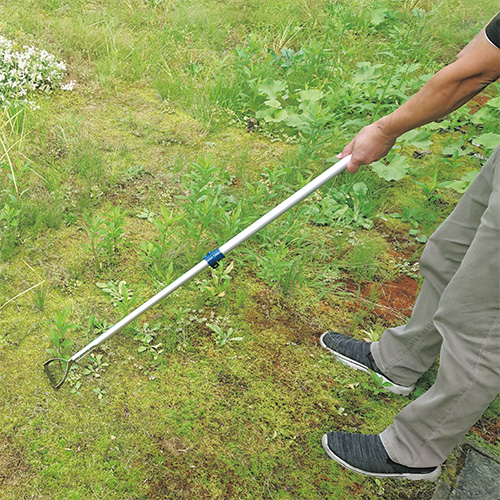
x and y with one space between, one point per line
478 480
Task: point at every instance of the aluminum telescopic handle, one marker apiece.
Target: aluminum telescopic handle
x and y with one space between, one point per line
220 252
290 202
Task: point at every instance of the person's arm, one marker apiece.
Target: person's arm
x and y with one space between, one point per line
476 66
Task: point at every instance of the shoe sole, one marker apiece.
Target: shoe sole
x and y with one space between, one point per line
394 388
429 476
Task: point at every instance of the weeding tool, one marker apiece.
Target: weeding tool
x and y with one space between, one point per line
57 369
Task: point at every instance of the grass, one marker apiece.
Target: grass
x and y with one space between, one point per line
157 129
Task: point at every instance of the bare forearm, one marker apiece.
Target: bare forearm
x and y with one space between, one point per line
476 66
446 91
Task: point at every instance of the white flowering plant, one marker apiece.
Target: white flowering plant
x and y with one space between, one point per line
28 70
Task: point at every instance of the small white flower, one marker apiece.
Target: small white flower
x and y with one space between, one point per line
26 70
68 86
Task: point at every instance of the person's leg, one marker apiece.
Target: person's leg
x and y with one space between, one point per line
404 353
468 322
465 329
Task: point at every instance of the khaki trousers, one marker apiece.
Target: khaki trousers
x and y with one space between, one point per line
456 317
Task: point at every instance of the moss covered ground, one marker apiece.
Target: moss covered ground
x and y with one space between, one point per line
222 390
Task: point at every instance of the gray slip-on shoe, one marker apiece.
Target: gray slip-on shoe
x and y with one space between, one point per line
365 454
357 355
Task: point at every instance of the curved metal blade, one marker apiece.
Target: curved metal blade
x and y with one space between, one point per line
57 370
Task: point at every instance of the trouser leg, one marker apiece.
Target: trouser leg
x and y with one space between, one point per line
467 319
404 353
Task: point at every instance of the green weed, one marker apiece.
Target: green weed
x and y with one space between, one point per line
223 335
343 206
113 230
106 235
158 253
277 266
58 331
121 296
201 202
146 336
96 366
364 259
216 288
378 385
95 231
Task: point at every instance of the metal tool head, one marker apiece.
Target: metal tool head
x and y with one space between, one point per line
57 370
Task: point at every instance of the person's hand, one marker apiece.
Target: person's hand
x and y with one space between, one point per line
370 144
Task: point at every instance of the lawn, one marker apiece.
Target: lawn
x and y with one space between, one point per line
170 127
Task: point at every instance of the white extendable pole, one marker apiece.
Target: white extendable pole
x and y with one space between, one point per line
222 251
141 309
309 188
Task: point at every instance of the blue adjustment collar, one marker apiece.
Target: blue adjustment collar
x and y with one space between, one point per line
213 258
